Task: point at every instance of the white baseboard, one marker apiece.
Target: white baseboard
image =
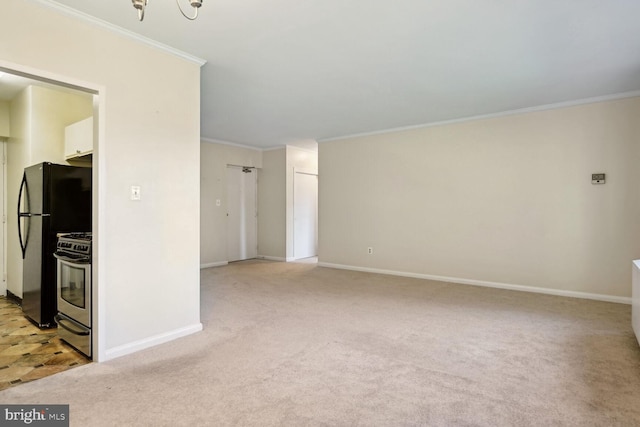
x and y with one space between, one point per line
213 264
534 289
272 258
142 344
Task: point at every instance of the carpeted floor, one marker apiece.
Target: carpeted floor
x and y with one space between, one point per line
300 345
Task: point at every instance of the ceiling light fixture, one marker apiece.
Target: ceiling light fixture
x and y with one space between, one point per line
141 4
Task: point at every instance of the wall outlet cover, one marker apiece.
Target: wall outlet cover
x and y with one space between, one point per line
597 178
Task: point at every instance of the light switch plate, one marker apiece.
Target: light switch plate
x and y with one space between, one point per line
135 192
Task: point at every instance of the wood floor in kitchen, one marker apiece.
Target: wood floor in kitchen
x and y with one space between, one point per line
28 353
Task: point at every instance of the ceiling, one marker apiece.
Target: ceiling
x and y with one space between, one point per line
289 71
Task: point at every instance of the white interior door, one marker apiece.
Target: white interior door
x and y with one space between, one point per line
242 219
305 215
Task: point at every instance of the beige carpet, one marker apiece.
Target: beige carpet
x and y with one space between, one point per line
296 345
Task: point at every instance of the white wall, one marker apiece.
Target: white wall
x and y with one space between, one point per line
214 159
5 119
18 147
39 116
506 200
51 112
147 252
275 199
276 170
272 205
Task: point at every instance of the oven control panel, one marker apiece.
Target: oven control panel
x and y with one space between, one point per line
75 243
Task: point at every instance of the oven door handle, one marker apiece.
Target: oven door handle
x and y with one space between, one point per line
59 320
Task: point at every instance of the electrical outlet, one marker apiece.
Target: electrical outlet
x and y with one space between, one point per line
370 250
597 178
217 202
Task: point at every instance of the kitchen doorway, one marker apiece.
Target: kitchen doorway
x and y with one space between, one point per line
50 94
242 213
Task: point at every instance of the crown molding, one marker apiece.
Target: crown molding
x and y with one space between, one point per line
232 144
277 147
235 144
250 147
554 106
66 10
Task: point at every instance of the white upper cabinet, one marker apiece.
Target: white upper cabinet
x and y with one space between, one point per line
78 139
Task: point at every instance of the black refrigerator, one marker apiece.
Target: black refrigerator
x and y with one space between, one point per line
53 199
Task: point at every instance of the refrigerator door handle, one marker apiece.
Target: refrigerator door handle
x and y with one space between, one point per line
23 189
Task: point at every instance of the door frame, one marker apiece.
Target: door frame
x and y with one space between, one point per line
99 191
303 172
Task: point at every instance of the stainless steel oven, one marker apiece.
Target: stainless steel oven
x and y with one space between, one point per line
73 256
